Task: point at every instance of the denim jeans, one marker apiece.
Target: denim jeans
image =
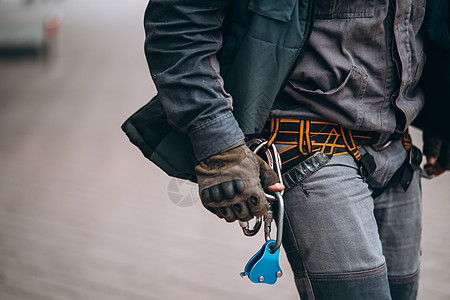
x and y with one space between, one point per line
344 244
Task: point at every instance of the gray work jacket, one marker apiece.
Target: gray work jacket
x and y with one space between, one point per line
218 66
362 66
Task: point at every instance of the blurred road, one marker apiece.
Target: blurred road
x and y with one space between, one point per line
83 215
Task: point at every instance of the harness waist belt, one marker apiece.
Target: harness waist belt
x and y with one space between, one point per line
303 137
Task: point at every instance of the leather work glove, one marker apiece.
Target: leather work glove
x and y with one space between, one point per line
437 153
231 184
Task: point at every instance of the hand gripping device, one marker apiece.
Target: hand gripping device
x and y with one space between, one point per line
264 266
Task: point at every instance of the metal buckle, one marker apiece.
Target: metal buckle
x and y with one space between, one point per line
415 157
381 147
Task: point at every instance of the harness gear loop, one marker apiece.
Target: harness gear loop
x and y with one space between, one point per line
274 161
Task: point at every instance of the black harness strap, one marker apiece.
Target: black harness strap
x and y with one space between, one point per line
366 162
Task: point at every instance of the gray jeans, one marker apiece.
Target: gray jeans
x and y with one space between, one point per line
344 244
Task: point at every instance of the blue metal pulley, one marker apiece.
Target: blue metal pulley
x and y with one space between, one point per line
264 267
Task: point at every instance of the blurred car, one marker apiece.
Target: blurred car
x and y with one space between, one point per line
29 25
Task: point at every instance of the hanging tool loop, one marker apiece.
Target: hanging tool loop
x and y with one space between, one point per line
264 266
280 220
271 156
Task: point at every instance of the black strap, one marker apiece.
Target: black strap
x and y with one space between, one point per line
404 174
366 165
366 162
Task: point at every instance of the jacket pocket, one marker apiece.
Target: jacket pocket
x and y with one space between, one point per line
344 9
342 102
355 74
280 10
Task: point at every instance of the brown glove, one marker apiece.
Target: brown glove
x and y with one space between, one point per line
437 153
231 184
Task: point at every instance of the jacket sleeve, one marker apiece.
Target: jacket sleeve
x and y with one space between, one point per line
182 40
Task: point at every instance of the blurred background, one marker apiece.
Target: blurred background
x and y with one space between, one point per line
83 215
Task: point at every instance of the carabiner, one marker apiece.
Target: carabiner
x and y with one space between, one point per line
246 227
274 162
280 220
273 158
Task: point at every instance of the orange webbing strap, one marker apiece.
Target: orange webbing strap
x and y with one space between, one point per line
406 140
304 137
274 127
366 162
350 143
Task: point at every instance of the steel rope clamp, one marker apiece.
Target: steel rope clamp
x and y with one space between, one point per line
264 266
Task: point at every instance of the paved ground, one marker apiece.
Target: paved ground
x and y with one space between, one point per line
84 216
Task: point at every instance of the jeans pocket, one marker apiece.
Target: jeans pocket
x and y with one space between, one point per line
388 161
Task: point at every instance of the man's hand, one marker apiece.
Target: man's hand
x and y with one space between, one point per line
231 184
437 153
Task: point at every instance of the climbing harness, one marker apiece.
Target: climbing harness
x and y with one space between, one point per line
264 266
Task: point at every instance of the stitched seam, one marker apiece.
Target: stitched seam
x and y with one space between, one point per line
404 279
363 274
309 288
210 122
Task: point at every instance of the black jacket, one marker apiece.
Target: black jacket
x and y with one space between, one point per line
436 75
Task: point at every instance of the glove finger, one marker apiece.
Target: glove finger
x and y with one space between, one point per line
213 194
222 191
227 189
227 213
231 189
242 212
206 197
267 176
258 204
